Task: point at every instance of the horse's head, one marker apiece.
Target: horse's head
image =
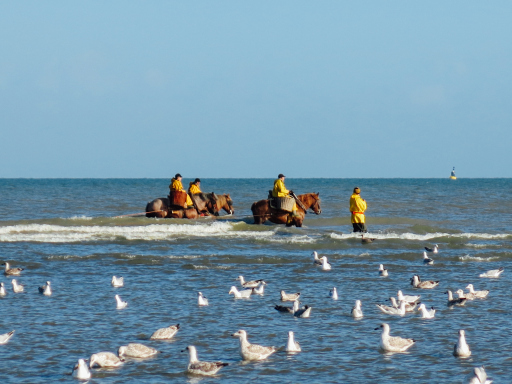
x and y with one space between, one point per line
227 204
315 206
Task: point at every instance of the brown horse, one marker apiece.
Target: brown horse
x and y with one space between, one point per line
262 211
160 208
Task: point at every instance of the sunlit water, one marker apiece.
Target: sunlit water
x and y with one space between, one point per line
65 231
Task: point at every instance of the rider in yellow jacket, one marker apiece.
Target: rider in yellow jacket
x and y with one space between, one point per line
357 208
177 186
195 187
281 191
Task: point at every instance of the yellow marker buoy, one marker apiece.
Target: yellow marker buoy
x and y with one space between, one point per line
452 176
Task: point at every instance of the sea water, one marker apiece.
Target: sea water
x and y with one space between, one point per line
66 231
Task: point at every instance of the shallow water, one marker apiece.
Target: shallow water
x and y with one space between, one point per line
64 231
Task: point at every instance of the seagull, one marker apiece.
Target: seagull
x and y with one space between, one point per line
467 296
451 301
17 288
303 312
260 290
426 313
494 273
479 377
289 296
120 303
366 240
407 298
417 283
201 300
427 260
105 360
245 294
333 293
409 307
81 371
316 259
357 312
136 350
433 250
292 345
250 351
461 348
3 292
478 294
11 271
6 337
400 311
284 308
205 368
248 284
383 271
46 289
393 344
325 264
117 281
165 333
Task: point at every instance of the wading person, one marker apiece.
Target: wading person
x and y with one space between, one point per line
177 186
281 191
357 208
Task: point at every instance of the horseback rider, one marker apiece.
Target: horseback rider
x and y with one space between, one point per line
177 186
194 187
281 191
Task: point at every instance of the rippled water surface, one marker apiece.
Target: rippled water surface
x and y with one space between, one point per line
65 231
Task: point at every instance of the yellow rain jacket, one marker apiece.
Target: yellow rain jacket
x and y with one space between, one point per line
177 186
357 208
193 188
281 191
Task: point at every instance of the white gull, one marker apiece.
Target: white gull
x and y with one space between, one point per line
245 294
408 298
81 370
292 345
165 333
205 368
316 259
117 281
382 271
6 337
479 376
201 300
137 350
462 295
17 288
400 311
478 294
426 313
427 260
409 307
3 292
325 264
120 303
105 360
252 352
333 293
260 290
289 296
494 273
461 348
45 289
393 343
357 312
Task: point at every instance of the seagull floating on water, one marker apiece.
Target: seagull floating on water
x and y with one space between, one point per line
427 260
426 313
201 300
357 312
494 273
11 271
17 288
117 281
478 294
409 307
461 348
249 284
252 352
245 294
205 368
462 295
325 264
81 370
393 343
46 289
400 311
120 303
3 292
165 333
284 308
105 360
6 337
303 312
260 290
292 345
289 296
382 271
137 350
433 250
407 298
333 293
417 283
479 377
451 301
316 259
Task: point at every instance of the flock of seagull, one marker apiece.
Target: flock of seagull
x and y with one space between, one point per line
400 306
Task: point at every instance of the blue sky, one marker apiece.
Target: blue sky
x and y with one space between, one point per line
253 89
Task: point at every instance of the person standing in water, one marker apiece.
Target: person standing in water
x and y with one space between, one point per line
357 208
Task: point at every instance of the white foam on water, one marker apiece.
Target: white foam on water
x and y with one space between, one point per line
477 258
424 237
